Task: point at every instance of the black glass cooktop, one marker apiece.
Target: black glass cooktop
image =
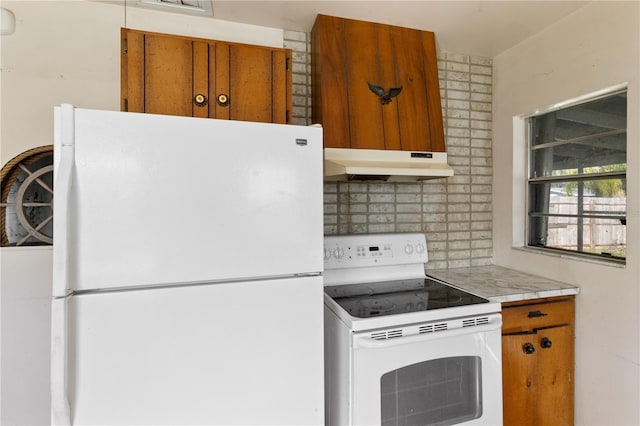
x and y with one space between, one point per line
366 300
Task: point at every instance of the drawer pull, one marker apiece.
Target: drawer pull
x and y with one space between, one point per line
536 314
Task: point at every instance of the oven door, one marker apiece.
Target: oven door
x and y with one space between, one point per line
436 378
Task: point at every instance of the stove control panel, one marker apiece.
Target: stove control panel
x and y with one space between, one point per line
360 250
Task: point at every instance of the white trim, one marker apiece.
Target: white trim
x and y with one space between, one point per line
578 100
522 154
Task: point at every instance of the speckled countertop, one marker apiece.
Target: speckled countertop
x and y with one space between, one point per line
500 284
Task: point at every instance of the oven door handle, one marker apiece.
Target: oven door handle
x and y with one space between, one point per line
366 341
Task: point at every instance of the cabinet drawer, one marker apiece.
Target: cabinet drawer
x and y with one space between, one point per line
537 315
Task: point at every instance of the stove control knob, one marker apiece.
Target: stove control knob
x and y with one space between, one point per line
327 254
338 253
408 249
420 248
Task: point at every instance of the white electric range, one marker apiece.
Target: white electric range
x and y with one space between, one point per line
402 347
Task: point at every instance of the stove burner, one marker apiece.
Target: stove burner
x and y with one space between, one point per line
374 307
446 299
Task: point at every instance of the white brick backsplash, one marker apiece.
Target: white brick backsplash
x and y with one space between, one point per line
408 227
459 123
434 198
458 94
452 142
408 208
458 207
482 79
434 217
481 261
484 125
481 161
457 66
460 133
481 97
457 104
456 76
479 226
457 57
408 198
459 179
457 113
454 213
480 88
458 227
462 263
479 69
481 217
458 198
434 208
433 228
487 171
479 244
481 115
456 85
463 255
479 60
458 151
459 245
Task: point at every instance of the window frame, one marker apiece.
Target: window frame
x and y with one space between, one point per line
530 181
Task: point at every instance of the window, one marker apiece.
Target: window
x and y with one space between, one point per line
577 178
443 391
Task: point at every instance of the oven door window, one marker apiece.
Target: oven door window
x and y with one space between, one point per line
444 391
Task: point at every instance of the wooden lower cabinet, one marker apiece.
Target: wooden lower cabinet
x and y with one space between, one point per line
538 362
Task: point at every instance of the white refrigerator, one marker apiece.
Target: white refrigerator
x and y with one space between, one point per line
187 271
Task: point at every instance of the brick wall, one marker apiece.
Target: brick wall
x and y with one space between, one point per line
454 213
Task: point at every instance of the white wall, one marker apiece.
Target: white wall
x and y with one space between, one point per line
596 47
62 52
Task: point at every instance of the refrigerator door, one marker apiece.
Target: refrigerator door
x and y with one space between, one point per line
146 199
201 354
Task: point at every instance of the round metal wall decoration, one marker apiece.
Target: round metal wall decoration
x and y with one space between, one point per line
26 203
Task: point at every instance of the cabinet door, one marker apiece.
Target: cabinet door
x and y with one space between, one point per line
347 56
520 381
555 371
173 75
253 80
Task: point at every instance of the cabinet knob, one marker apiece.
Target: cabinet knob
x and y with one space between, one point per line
223 100
528 348
200 100
546 342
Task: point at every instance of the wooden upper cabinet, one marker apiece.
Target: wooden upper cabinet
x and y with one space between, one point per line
174 75
347 55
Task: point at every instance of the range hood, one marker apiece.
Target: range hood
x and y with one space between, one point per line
384 165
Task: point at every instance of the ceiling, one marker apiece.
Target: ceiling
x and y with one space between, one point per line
484 28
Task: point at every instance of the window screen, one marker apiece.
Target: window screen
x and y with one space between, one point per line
444 391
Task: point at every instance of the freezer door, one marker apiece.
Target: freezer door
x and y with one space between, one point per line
148 199
228 354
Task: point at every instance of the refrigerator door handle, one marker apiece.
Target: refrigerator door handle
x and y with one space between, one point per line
60 409
63 176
